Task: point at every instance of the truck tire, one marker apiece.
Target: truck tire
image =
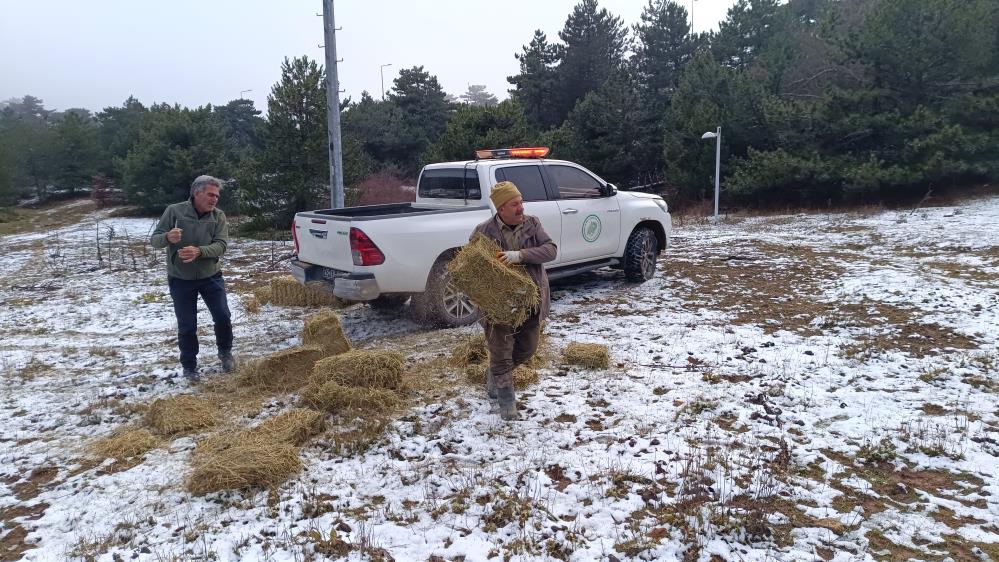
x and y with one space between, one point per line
441 304
640 255
389 302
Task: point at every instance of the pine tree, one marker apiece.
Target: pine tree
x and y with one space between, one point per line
478 96
118 130
292 173
534 87
477 127
75 159
745 32
424 108
595 43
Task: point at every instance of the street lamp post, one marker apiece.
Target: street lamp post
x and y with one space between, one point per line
241 92
717 136
381 70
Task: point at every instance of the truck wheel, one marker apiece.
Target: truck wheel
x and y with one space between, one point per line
441 304
388 302
640 255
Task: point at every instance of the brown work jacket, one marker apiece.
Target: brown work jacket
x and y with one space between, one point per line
536 249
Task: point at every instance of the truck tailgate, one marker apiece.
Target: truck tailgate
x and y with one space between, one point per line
324 241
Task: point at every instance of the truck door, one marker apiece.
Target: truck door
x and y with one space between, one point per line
591 217
537 201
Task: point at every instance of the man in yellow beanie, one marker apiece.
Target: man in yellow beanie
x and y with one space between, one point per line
523 241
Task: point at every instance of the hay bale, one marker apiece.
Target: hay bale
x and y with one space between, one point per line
325 330
469 352
287 291
523 375
333 397
591 355
124 445
251 304
181 413
263 294
282 371
361 368
505 294
293 427
241 460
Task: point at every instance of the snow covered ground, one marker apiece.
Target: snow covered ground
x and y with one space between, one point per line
806 387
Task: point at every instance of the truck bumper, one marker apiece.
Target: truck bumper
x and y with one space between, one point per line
346 285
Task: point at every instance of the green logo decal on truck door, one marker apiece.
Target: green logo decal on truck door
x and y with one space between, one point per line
591 228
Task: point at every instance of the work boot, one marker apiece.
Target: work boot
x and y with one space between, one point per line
191 374
491 392
228 361
507 403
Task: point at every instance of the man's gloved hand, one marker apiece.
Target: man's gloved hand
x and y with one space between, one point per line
509 257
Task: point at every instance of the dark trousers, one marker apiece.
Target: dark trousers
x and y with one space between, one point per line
185 305
510 347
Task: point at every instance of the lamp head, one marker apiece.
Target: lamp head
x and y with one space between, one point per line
709 135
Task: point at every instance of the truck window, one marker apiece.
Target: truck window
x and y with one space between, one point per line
449 183
527 179
573 183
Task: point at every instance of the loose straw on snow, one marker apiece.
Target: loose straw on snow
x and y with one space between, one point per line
125 445
181 413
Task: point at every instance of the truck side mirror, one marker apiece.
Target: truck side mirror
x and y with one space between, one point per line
610 190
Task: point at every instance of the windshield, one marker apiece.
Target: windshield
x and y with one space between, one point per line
449 183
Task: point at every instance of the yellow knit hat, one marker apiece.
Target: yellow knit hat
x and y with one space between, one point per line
503 192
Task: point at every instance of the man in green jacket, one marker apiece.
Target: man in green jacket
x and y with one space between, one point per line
196 234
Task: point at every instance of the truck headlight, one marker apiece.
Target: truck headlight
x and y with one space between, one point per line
662 204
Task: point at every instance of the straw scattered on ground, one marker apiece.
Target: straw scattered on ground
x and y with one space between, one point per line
294 427
589 355
241 460
505 294
125 445
282 371
523 375
335 398
287 291
263 294
178 414
325 330
471 351
251 304
361 368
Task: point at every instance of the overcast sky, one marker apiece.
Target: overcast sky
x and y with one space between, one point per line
95 53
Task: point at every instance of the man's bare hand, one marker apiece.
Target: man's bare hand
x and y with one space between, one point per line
173 235
189 253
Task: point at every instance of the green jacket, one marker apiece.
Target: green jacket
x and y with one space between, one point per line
210 233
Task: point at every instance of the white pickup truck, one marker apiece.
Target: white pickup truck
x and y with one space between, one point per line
386 253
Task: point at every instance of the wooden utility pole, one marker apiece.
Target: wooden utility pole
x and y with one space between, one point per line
333 108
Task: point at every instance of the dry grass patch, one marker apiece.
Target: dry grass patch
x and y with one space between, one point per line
293 427
241 460
589 355
287 291
505 294
178 414
361 368
251 304
125 445
282 371
471 351
324 329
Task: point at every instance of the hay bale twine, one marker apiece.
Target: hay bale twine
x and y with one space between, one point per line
282 371
294 427
361 368
325 330
333 397
469 352
590 355
505 294
287 291
523 375
241 460
178 414
125 445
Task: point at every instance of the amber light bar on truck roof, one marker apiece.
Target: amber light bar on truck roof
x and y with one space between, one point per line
528 152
